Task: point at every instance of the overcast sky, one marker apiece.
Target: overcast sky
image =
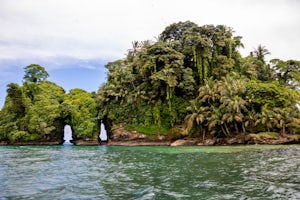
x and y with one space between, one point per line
73 39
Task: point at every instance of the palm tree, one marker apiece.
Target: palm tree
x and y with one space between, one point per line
232 102
261 52
132 53
291 120
209 92
233 111
267 118
264 71
198 115
248 67
215 122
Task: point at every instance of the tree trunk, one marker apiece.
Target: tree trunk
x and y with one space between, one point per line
236 127
243 127
283 129
225 130
228 133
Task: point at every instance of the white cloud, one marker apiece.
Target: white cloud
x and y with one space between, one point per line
105 29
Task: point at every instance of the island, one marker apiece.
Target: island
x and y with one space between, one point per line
191 86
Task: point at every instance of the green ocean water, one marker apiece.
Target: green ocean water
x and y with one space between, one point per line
108 172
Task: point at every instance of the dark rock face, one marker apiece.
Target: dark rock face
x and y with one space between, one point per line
120 134
286 139
184 143
123 137
86 142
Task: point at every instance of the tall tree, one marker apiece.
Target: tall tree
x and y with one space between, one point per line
264 71
197 114
261 52
35 73
175 31
287 72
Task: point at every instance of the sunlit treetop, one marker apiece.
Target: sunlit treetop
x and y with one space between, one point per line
35 73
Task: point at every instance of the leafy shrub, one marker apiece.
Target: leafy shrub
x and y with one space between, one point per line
18 136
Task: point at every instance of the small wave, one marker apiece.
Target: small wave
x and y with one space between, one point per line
144 193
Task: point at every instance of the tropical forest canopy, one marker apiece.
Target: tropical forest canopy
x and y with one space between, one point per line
39 109
192 77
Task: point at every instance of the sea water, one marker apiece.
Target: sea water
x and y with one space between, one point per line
107 172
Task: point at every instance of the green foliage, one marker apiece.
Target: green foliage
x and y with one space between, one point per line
79 110
175 32
14 92
154 84
287 72
193 76
43 114
38 110
22 136
201 65
270 95
35 73
265 135
150 129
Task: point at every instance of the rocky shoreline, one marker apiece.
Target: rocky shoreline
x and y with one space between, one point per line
246 140
122 137
4 143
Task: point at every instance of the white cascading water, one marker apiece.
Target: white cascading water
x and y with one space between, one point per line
67 135
103 133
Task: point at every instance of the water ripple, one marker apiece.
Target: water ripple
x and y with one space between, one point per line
73 172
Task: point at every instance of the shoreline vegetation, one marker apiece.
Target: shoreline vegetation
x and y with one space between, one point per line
189 87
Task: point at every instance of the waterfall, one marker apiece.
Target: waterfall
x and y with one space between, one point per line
103 133
67 135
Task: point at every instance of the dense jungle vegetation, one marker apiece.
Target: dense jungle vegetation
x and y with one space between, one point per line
195 76
39 109
191 81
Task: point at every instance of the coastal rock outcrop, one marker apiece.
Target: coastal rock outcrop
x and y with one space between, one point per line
182 142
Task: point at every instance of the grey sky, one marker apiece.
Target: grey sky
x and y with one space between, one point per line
88 29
